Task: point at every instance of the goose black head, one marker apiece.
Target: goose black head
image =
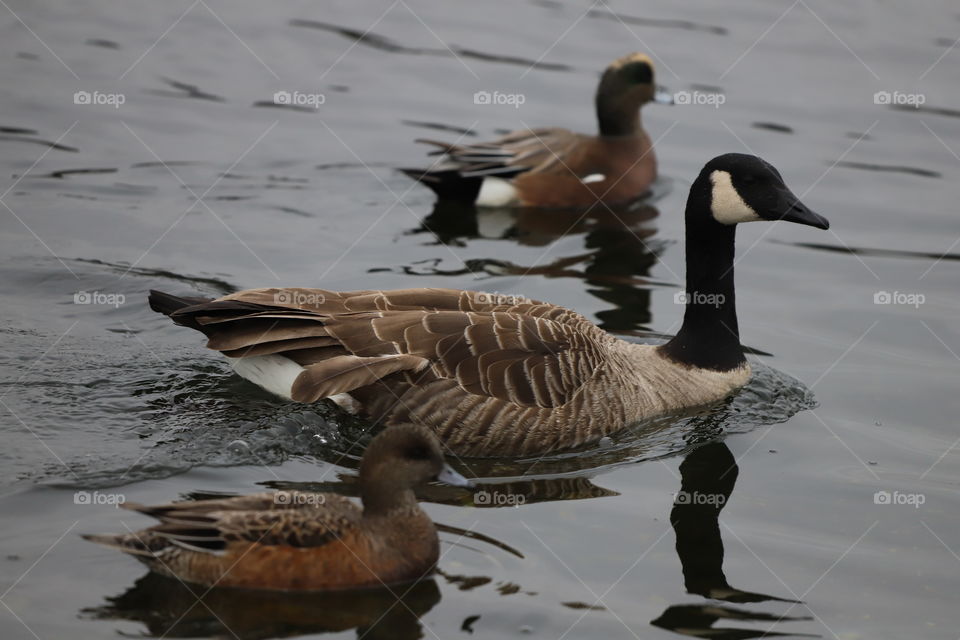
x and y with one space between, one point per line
744 188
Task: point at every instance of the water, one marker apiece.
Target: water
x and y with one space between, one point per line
197 183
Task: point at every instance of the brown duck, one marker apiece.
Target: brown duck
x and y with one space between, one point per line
497 375
297 540
558 168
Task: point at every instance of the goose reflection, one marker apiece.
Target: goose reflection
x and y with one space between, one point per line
708 475
619 250
170 609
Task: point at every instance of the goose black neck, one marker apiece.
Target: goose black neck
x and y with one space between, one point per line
710 336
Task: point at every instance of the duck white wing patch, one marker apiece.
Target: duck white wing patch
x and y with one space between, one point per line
496 192
726 205
272 373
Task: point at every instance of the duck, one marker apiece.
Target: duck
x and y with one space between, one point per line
302 541
497 375
558 168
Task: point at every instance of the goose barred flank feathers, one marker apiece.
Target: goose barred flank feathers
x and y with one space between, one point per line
491 376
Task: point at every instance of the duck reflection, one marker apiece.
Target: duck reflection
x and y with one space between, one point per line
708 475
170 609
525 491
620 250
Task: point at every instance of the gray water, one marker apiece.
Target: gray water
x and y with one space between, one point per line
199 184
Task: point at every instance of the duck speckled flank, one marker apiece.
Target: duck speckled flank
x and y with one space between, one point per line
495 375
558 168
296 540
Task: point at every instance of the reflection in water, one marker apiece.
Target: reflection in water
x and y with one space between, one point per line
619 252
216 284
45 143
186 90
661 23
168 608
484 495
368 38
708 476
889 168
874 251
772 126
698 621
439 126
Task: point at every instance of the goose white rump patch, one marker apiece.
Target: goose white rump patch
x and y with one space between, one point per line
272 373
726 205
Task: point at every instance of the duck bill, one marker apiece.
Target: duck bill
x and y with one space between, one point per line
448 476
796 211
662 96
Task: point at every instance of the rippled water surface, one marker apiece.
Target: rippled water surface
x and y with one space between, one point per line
820 501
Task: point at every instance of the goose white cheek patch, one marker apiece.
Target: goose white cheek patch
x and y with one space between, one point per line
726 205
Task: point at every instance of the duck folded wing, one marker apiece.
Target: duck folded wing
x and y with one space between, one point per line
534 150
286 518
514 349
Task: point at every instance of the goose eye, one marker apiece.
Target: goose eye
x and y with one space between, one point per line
748 179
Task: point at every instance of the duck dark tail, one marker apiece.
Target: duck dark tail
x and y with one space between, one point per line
448 184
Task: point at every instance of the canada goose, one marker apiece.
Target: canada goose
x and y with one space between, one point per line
497 375
557 168
300 540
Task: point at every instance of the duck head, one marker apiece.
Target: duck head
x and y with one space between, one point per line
399 459
626 85
745 188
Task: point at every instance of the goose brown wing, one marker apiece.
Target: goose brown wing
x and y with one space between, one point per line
522 351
